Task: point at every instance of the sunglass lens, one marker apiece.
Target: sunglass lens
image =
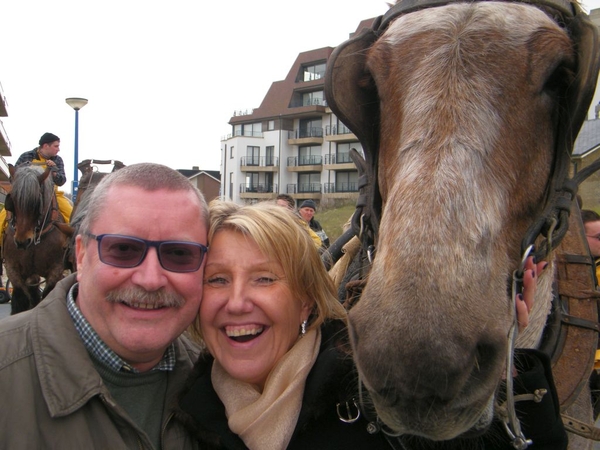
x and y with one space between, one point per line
180 256
121 251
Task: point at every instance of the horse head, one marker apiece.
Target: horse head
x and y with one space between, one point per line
30 202
465 112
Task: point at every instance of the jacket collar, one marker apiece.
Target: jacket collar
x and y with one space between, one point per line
66 373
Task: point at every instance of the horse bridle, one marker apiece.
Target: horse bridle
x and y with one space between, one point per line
353 98
45 219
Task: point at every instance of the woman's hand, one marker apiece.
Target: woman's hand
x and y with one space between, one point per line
525 299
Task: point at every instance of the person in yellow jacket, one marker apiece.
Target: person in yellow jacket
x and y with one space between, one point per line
47 156
288 201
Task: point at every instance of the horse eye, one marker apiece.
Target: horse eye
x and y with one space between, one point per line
559 80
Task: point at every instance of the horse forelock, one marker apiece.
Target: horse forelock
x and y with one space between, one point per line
27 193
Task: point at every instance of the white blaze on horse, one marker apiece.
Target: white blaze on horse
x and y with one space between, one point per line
465 111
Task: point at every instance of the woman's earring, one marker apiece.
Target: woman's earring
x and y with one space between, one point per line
303 328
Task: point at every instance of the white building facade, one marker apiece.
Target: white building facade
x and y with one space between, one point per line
292 143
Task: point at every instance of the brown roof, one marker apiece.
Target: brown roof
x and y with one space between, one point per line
278 98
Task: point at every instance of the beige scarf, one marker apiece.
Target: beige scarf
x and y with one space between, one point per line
266 421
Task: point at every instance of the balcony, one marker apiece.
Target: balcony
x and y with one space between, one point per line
248 133
345 190
341 161
307 163
5 148
262 191
314 189
259 164
298 103
332 188
339 133
306 136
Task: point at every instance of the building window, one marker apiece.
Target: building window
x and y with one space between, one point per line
270 155
271 125
309 182
312 72
252 182
252 155
310 155
346 181
313 98
342 152
231 152
310 128
253 129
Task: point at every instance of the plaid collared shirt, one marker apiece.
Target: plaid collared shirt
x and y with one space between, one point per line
96 346
60 178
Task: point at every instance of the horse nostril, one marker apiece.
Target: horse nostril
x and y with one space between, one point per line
22 245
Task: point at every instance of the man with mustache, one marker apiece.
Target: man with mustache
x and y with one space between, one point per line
98 363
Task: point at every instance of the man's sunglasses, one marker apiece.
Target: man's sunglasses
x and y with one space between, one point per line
127 252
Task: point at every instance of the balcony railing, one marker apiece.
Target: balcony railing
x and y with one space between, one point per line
340 158
308 160
309 187
258 188
302 188
308 102
306 133
247 133
332 188
337 129
240 112
259 161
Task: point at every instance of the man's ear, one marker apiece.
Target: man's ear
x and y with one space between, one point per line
80 249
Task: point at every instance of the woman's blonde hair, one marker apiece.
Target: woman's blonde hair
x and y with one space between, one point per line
279 235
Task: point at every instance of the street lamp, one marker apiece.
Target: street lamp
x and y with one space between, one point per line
76 103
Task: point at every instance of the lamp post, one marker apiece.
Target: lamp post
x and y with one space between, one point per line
76 103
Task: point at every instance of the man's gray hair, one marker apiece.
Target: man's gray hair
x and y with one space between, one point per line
147 176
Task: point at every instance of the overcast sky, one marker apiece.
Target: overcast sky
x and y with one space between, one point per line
162 78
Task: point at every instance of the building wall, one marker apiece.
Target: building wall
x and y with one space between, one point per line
208 186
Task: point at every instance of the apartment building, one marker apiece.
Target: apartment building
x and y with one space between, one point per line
292 143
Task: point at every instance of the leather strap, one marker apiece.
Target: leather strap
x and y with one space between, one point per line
573 358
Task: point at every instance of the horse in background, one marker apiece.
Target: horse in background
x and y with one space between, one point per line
33 247
467 113
90 177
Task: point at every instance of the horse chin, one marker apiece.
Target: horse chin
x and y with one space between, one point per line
468 423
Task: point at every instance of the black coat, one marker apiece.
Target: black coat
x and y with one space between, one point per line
332 381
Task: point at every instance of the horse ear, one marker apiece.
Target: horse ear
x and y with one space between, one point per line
85 166
350 90
11 170
42 176
8 204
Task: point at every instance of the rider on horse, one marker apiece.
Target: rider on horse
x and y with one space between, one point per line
46 155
